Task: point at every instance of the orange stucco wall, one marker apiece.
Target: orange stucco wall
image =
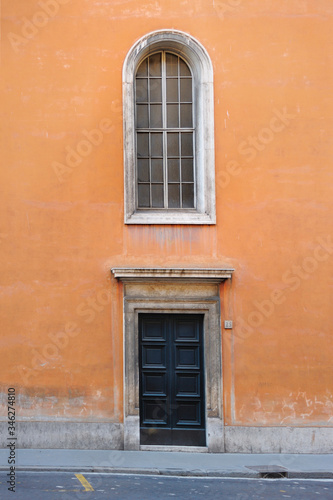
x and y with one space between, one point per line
62 225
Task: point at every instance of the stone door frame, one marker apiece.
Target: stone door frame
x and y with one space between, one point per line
173 291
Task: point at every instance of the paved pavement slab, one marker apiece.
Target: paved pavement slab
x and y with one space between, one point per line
173 463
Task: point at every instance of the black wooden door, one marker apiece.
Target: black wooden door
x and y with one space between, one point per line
172 403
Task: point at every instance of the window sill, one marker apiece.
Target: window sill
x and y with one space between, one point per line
160 217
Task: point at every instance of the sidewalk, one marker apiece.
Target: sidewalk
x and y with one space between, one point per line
172 463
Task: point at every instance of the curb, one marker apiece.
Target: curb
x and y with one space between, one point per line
233 474
138 471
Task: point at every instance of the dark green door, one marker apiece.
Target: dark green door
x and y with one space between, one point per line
172 403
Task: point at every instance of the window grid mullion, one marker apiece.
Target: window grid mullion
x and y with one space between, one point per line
180 151
189 129
194 146
149 135
164 125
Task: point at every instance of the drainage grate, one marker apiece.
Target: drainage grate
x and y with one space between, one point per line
273 475
269 471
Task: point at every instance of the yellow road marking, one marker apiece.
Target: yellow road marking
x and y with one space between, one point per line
87 486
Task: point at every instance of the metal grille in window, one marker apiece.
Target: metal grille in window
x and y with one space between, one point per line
164 133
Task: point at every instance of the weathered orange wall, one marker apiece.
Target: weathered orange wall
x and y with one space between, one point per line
62 231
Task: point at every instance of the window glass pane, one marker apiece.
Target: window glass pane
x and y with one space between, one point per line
173 170
156 115
151 174
187 145
155 65
188 195
157 195
142 144
156 145
186 89
171 65
172 89
187 170
143 68
186 115
173 144
143 170
184 69
172 116
143 195
157 170
155 89
141 90
142 115
174 195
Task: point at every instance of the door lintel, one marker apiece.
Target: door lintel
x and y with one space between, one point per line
137 274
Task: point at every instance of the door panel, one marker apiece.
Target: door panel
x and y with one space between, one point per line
188 413
154 384
153 357
172 403
187 357
187 385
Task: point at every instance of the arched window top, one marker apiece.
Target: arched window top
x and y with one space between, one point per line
179 42
152 65
168 131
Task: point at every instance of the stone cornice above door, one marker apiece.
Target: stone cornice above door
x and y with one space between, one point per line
137 274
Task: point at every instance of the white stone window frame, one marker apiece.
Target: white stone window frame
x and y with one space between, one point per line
196 56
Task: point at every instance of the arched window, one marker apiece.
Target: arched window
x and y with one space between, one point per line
164 133
168 131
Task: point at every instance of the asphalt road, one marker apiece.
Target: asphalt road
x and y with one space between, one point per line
88 486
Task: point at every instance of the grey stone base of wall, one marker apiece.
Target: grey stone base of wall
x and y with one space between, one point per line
278 439
110 436
66 435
